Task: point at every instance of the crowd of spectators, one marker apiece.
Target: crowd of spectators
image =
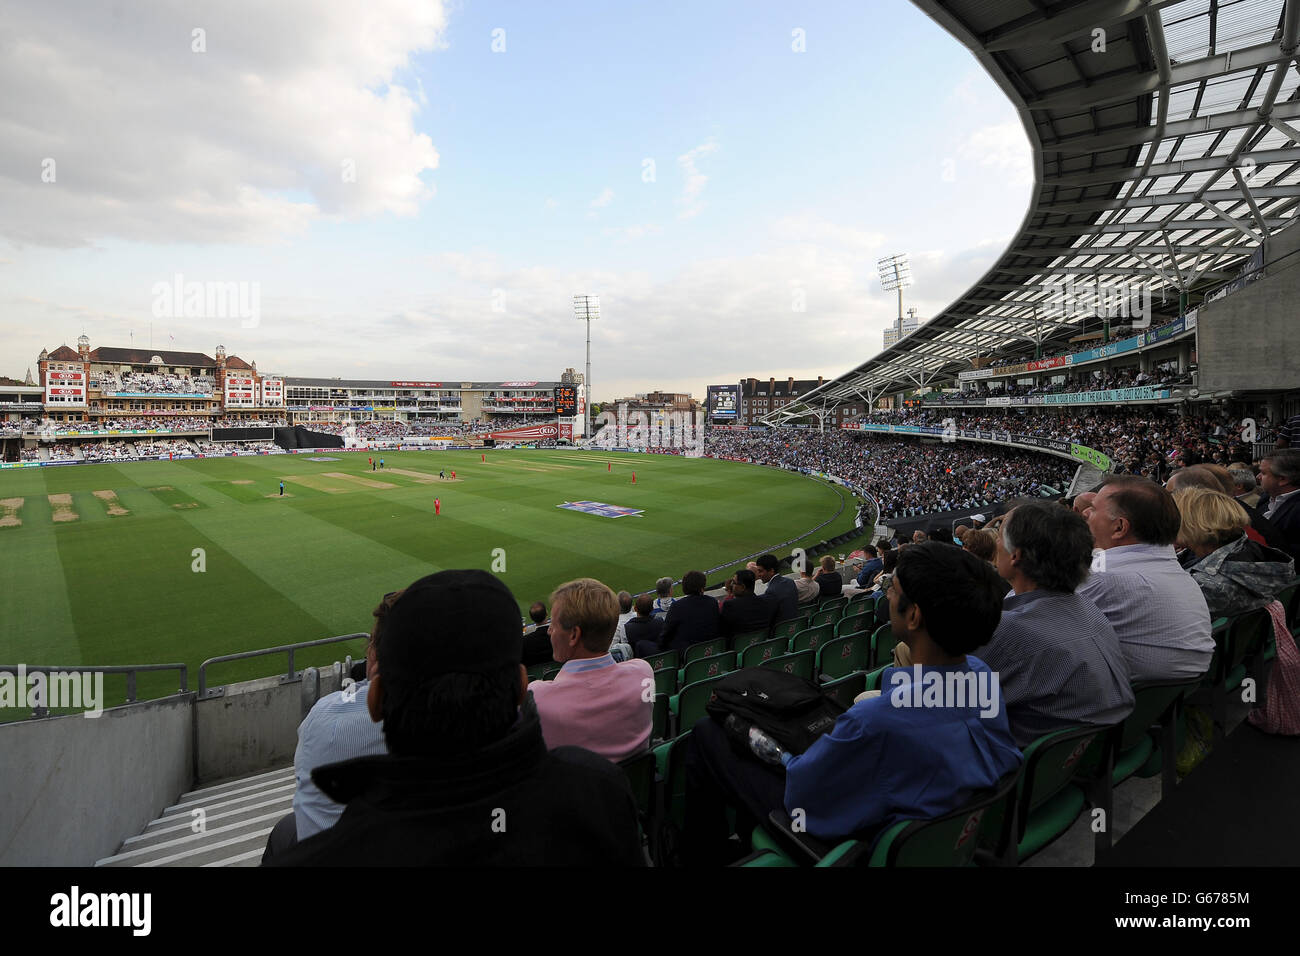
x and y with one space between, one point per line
1140 440
1164 375
156 383
239 448
167 446
63 451
29 454
906 477
106 450
249 423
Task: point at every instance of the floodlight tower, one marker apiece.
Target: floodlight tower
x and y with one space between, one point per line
895 273
586 308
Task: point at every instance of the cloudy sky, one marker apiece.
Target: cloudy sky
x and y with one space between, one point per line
417 190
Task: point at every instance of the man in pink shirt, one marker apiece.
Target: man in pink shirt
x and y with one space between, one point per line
593 702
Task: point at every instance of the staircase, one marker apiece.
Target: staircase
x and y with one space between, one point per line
233 818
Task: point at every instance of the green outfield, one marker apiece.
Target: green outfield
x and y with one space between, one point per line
98 562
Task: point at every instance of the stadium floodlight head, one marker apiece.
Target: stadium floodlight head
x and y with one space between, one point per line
586 308
895 274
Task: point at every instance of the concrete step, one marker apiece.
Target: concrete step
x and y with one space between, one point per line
235 818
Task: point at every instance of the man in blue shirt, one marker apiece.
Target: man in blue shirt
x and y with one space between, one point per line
934 737
870 567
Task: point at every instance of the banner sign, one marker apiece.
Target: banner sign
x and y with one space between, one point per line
1109 350
1137 394
65 388
1177 327
239 391
1091 457
529 433
272 393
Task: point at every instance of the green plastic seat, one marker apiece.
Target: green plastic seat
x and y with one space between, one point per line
689 703
789 628
828 617
1130 745
800 663
535 671
665 660
707 648
833 602
742 641
951 839
764 651
1238 642
812 638
706 667
666 681
843 691
841 656
549 672
659 718
882 646
855 623
640 771
1047 801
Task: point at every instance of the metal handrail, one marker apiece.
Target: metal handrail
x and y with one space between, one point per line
289 675
130 670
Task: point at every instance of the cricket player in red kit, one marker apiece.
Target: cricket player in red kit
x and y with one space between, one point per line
437 507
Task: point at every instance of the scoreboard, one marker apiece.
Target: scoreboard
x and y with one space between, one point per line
566 400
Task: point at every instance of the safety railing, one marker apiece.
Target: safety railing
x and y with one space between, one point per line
291 674
21 671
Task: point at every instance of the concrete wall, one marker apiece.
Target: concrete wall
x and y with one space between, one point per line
253 727
73 788
1247 340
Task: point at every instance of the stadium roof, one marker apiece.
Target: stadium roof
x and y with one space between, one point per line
146 357
1166 146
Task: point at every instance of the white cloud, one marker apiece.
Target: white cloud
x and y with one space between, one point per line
245 142
1002 147
695 181
604 199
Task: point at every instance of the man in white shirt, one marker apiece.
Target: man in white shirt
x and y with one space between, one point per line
1156 608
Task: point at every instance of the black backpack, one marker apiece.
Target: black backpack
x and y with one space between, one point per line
792 710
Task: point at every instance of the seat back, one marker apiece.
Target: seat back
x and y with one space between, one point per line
640 771
1151 699
833 602
659 717
692 700
1051 762
755 654
800 663
841 656
1247 634
663 661
882 646
715 645
812 638
948 840
789 628
666 681
742 641
854 623
829 616
843 691
706 667
535 671
550 671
